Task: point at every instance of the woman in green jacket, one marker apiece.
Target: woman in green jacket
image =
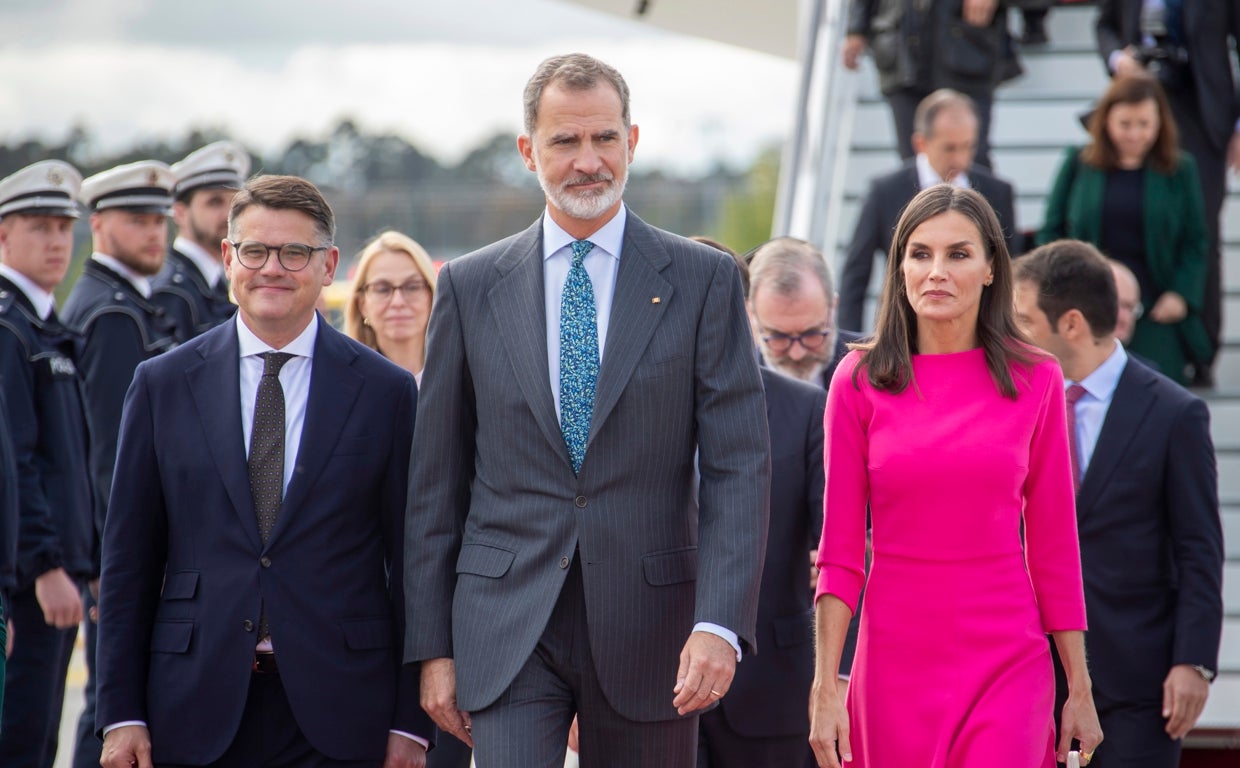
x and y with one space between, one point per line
1135 196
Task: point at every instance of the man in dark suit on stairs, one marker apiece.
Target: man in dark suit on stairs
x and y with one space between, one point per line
945 138
1147 509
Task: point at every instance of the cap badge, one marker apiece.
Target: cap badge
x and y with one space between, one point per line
55 177
153 178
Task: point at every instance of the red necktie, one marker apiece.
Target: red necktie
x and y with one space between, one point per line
1074 393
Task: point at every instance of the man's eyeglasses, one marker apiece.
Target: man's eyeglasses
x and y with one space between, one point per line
383 290
812 341
1136 309
292 256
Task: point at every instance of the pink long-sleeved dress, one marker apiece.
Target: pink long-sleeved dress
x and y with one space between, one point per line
953 665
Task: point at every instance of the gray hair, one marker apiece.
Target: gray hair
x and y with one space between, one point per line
782 263
576 72
942 100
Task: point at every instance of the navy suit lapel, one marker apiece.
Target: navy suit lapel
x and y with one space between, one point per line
1131 401
634 314
518 301
214 383
334 389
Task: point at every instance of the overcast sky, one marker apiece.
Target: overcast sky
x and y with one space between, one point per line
444 73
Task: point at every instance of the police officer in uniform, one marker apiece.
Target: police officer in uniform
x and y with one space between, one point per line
111 306
46 421
192 287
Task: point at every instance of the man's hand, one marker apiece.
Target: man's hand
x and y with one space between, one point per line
127 747
94 595
404 752
1126 64
979 13
8 645
439 699
1184 696
59 598
813 572
854 46
1170 308
573 740
707 664
1233 153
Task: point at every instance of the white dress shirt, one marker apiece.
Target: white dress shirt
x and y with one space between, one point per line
210 267
927 177
294 378
141 284
43 301
601 264
1091 409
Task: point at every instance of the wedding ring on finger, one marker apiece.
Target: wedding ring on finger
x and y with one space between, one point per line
716 694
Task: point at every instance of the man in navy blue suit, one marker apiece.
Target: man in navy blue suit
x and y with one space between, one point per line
764 719
1147 512
251 605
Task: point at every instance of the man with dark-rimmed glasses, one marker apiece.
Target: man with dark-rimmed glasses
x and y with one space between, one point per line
252 610
792 304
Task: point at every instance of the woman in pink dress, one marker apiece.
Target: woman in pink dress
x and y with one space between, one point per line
952 431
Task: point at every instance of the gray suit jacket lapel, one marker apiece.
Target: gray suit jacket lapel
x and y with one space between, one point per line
634 314
520 315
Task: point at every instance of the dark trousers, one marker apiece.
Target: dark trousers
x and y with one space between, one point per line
527 727
1135 738
88 746
904 103
269 736
449 752
34 682
1212 166
719 746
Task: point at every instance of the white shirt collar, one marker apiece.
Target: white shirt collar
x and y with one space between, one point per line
210 268
140 284
302 346
927 177
42 301
608 238
1102 382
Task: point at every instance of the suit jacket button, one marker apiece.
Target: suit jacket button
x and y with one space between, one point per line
247 625
564 561
580 501
265 562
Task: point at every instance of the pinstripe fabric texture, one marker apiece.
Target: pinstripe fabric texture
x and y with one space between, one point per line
497 514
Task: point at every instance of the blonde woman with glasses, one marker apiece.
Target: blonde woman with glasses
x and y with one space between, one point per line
391 304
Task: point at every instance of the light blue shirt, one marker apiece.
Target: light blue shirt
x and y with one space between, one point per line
602 264
1091 409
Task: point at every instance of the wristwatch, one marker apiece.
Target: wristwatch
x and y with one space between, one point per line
1206 674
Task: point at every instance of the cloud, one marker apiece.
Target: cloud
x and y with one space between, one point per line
694 100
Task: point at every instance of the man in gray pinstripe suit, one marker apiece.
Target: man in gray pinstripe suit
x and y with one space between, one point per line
556 566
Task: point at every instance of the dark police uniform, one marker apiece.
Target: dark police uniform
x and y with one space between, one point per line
120 328
181 288
46 420
192 305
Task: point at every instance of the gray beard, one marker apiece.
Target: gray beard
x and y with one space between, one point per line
585 207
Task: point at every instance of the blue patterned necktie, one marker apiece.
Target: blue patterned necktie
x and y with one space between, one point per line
578 355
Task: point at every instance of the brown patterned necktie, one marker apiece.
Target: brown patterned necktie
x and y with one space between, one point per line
267 452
